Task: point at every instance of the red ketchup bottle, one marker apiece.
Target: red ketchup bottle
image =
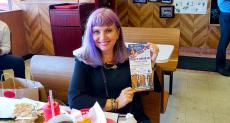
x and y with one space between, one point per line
47 110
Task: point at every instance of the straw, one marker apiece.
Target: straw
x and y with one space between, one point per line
51 102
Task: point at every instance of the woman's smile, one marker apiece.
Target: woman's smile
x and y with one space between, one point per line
104 43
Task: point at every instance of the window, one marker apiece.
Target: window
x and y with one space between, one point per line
5 5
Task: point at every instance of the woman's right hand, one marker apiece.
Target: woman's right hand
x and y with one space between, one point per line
125 97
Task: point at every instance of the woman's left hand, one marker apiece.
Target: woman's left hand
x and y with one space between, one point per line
154 50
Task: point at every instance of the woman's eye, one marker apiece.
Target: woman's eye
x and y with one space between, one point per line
96 32
109 30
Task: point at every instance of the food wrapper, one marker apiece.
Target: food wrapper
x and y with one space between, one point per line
92 115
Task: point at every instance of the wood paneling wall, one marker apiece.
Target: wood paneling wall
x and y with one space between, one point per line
37 23
14 20
195 29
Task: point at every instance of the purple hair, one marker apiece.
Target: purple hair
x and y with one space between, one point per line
89 53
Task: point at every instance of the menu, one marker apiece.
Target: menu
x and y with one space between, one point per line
140 67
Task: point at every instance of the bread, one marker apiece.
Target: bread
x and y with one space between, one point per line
24 110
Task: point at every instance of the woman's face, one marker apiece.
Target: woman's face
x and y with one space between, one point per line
105 37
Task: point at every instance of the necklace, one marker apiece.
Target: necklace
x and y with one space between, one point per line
105 83
110 66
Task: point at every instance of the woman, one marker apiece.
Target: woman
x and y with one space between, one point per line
102 70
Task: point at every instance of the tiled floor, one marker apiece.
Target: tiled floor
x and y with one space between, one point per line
198 97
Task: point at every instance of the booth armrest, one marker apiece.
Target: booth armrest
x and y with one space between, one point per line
54 72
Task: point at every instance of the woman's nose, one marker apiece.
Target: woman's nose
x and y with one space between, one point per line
102 35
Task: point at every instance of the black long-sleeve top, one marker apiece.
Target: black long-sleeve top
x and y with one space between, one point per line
87 86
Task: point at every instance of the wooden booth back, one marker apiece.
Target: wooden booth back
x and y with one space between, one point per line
156 35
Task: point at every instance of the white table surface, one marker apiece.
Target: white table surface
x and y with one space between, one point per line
165 52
